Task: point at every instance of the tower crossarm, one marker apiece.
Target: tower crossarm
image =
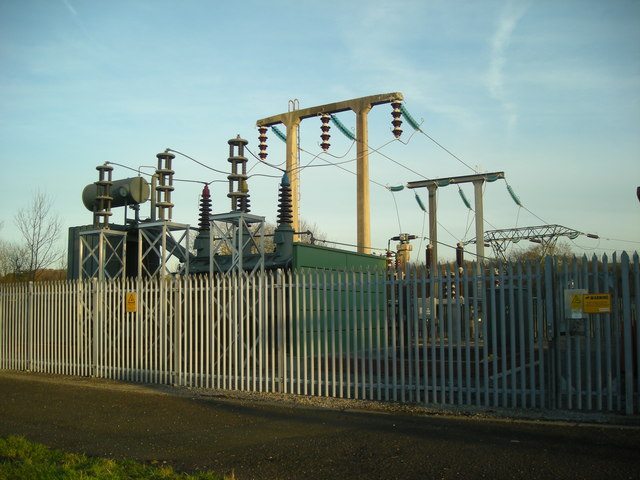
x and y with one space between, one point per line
541 232
353 104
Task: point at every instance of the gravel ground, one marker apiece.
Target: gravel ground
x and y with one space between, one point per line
354 405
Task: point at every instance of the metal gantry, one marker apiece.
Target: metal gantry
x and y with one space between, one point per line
545 235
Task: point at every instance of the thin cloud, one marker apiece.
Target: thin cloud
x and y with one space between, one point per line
500 42
70 7
78 20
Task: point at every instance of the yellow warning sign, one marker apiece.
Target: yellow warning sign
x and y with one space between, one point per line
597 303
132 302
576 302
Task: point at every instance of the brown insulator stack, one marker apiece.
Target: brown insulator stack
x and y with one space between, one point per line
396 122
205 210
325 136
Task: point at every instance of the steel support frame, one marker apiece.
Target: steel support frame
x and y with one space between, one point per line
236 234
100 248
165 241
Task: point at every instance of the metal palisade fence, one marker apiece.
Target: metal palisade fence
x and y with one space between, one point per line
559 334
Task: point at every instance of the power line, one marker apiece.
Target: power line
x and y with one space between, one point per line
198 162
449 152
139 172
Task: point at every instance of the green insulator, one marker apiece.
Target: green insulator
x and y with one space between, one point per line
348 133
410 120
573 236
279 134
419 200
514 196
464 198
399 188
492 178
443 183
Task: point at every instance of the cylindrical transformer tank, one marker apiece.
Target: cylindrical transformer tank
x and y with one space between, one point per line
129 191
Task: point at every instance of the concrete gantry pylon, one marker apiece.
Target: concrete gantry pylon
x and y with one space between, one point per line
432 186
361 107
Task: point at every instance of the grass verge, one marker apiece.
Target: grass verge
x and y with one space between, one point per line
24 460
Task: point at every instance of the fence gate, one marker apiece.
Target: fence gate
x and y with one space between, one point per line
595 339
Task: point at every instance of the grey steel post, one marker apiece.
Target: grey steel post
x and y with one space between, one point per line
433 223
96 321
29 335
479 206
550 327
176 286
627 334
280 328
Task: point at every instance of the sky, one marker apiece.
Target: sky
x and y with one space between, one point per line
546 91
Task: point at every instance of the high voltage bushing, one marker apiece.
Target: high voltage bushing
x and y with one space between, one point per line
205 210
429 255
285 215
459 255
238 161
244 205
165 185
103 198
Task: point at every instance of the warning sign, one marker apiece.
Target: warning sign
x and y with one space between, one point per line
132 302
576 302
597 303
573 303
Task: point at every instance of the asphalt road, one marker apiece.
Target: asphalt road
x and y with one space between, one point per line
265 440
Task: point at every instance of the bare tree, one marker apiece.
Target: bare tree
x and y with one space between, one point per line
40 229
538 252
12 261
309 233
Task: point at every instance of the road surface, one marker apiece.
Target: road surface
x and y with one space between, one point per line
270 440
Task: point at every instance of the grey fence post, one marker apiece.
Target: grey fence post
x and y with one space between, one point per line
96 321
280 327
550 331
176 286
627 333
29 332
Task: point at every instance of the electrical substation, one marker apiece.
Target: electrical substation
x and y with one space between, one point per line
228 301
156 244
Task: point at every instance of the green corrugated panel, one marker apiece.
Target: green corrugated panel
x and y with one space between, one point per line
336 307
315 256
